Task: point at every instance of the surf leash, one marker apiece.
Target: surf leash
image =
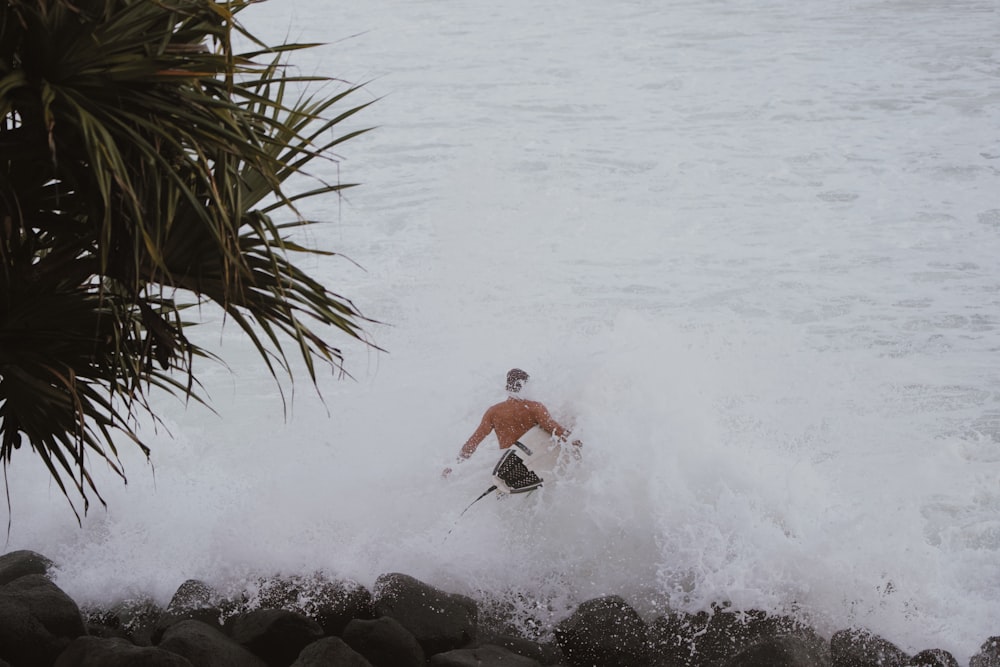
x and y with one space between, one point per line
484 494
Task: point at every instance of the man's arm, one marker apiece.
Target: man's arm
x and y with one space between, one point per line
485 426
546 421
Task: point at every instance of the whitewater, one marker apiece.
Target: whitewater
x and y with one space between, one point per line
747 251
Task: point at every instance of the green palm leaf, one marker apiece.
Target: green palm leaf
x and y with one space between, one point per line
137 152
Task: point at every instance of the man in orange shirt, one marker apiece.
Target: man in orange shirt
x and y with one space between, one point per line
511 419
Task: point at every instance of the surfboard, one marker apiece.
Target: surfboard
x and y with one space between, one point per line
524 466
526 463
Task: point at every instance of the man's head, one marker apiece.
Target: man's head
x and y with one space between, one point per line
515 380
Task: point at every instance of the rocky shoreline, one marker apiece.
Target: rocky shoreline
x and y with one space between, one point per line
402 622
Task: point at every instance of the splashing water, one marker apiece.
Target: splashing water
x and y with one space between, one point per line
748 253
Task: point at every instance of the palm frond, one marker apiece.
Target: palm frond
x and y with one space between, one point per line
143 169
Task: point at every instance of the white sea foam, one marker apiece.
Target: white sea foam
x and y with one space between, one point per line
749 251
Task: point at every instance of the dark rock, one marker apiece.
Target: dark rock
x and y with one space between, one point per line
48 603
384 643
137 618
786 651
206 646
483 656
989 654
276 635
686 640
860 648
105 631
604 631
194 600
108 624
192 594
440 621
17 564
934 657
23 639
332 604
37 621
546 654
330 652
97 652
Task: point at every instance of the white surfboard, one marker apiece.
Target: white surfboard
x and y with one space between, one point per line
526 463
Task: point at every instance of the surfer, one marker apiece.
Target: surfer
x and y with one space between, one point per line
512 418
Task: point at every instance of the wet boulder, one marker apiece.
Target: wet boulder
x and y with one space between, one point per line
136 619
861 648
37 621
785 651
194 600
546 654
17 564
440 621
330 652
482 656
98 652
934 657
384 642
332 604
686 640
206 646
988 655
604 631
276 635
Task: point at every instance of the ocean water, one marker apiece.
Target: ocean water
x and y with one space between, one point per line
747 251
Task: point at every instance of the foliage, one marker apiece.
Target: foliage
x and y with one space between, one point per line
141 162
